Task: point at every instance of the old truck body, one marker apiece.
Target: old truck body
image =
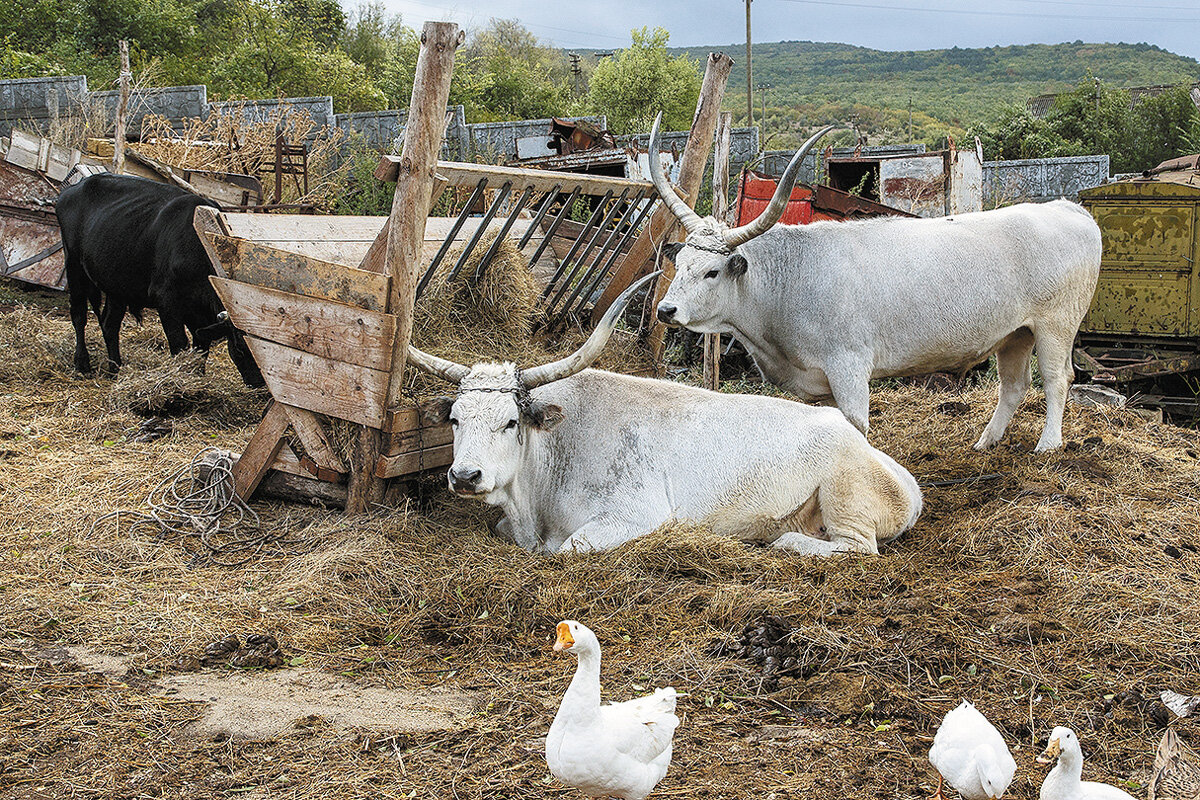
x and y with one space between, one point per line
1144 322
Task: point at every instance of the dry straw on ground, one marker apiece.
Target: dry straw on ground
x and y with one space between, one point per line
1059 592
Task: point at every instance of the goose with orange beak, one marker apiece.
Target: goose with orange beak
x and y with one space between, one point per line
613 750
1064 782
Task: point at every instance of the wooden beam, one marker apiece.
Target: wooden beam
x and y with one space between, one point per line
720 210
248 262
126 78
260 452
704 126
463 174
415 461
335 388
331 330
415 180
208 222
691 175
312 436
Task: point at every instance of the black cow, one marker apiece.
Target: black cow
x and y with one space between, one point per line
132 240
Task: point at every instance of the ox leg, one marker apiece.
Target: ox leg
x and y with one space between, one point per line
851 388
600 535
79 314
177 340
1013 366
111 317
1054 364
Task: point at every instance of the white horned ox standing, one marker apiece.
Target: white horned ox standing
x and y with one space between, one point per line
584 459
824 308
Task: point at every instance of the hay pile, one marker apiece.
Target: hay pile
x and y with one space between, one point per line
1061 592
493 319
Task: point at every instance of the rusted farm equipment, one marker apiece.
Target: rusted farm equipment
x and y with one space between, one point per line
926 184
806 203
1142 332
327 302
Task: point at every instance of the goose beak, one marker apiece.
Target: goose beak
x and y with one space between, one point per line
564 640
1050 754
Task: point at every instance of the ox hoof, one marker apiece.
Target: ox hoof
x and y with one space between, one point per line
1047 446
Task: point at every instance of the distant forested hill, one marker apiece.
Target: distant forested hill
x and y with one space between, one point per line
816 82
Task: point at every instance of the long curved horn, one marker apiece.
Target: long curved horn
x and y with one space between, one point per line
774 210
590 350
673 201
437 366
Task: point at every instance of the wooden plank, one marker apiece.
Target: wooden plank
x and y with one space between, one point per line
258 264
331 330
464 174
411 462
260 452
419 439
207 220
287 461
720 210
297 378
411 201
303 227
312 436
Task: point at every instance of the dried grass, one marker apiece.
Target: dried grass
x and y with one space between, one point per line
1045 595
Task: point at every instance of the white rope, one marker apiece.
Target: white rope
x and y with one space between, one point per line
198 501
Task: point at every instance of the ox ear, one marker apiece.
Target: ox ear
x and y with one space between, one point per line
437 410
671 249
545 416
737 265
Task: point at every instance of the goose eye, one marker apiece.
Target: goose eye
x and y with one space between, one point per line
712 273
512 423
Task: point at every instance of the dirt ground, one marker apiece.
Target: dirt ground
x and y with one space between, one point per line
414 644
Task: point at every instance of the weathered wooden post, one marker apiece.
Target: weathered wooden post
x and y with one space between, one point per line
691 175
720 209
405 231
122 107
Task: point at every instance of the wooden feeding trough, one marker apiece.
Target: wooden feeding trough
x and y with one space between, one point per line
314 306
326 303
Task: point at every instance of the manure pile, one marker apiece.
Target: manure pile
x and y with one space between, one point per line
1048 589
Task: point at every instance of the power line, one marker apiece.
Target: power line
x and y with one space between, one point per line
1010 14
445 10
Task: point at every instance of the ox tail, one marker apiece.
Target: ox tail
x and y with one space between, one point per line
908 486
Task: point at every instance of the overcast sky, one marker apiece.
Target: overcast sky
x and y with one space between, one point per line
906 25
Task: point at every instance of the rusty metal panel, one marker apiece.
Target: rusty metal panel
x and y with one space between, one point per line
916 184
1150 304
1148 275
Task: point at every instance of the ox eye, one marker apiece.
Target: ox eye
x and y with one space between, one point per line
512 423
453 422
712 273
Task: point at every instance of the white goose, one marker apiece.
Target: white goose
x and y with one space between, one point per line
615 750
970 754
1063 782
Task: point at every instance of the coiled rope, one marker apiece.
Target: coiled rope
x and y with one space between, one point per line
198 502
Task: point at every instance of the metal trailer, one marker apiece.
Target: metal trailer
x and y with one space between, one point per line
1142 332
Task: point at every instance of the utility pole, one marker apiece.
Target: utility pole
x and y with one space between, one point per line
762 89
910 117
749 73
575 69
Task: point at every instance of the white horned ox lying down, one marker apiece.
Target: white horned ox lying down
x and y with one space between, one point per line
824 308
584 459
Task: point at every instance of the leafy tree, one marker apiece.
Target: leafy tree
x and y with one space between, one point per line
514 75
1096 118
643 79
